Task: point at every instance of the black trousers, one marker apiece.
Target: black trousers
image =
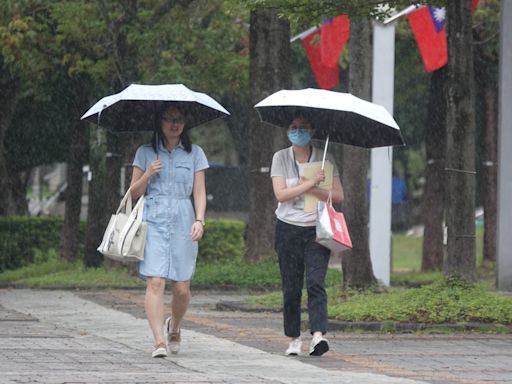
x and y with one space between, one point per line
298 252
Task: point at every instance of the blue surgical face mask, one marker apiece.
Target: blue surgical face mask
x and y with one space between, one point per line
299 136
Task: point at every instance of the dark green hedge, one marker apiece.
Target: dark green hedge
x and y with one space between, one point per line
223 239
21 238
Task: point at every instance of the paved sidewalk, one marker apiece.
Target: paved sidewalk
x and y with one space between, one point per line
58 337
102 337
455 358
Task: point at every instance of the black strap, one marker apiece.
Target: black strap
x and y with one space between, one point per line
295 163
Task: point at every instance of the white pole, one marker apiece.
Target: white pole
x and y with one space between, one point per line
382 158
504 219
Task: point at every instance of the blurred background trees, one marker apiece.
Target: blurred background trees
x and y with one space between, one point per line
58 57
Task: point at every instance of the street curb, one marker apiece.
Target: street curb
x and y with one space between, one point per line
390 326
68 288
243 307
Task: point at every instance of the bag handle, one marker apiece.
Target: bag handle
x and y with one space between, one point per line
126 202
329 198
138 210
135 218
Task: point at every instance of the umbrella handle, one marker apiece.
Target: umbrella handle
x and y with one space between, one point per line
156 144
99 113
325 152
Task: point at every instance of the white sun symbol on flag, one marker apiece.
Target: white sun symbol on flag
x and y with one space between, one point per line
439 14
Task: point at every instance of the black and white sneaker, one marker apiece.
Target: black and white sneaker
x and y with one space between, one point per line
318 346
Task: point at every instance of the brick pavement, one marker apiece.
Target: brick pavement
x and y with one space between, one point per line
68 336
58 337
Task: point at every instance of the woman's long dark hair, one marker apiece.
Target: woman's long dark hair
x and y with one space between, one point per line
158 135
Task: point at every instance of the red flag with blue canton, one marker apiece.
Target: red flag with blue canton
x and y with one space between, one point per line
334 36
427 25
325 76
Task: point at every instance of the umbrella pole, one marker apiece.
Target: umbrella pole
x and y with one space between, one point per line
325 151
157 144
155 125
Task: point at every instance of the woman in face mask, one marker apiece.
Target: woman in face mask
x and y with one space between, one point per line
295 235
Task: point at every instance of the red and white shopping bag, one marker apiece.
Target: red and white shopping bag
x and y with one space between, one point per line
331 228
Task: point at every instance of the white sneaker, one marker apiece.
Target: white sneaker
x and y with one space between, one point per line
318 346
173 338
294 348
159 351
174 341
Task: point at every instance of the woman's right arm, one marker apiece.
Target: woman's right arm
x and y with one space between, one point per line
284 193
141 178
139 183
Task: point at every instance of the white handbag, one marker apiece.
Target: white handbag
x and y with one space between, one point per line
125 236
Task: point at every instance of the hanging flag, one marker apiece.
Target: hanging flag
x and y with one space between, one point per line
334 36
474 4
427 25
325 76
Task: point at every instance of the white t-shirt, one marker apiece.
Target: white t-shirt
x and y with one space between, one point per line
285 165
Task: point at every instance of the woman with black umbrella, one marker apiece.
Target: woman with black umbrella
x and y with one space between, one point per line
295 244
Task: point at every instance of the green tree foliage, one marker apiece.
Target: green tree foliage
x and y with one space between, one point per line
61 56
104 46
201 45
306 11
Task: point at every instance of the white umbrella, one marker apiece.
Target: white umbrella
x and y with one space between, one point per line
134 108
341 117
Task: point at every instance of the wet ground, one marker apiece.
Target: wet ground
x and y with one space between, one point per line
454 358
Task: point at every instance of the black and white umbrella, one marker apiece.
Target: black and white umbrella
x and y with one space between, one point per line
338 117
134 108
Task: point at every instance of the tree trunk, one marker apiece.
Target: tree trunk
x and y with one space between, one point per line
460 156
269 72
238 124
357 265
433 201
114 162
8 102
490 171
487 88
69 236
122 148
97 212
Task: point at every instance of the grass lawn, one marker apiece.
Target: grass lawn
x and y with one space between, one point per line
437 300
406 250
406 261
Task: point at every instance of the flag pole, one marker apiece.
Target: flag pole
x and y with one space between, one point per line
303 34
406 11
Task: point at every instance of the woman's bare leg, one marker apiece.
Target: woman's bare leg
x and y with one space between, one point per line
154 305
179 304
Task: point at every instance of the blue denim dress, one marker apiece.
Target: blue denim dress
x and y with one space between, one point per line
168 211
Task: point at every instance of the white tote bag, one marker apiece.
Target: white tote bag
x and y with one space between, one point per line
125 236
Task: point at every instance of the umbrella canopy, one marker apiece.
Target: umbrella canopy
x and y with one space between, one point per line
134 108
342 117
